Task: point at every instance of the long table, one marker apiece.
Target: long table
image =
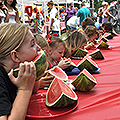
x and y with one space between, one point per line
103 101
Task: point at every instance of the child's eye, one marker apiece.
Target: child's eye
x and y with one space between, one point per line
32 44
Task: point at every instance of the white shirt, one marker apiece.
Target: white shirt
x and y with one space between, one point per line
2 17
12 16
56 23
73 21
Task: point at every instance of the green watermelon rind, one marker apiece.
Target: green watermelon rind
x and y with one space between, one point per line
57 76
40 64
83 83
97 54
87 65
63 101
80 53
102 44
108 35
70 68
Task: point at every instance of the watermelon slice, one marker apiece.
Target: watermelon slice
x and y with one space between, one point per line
71 67
114 33
97 54
102 44
58 72
60 94
84 81
40 63
80 53
102 38
88 64
108 35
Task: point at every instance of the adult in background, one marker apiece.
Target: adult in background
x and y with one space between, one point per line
54 22
4 16
83 13
114 13
12 10
69 12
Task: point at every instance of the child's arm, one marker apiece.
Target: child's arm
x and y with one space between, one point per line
89 46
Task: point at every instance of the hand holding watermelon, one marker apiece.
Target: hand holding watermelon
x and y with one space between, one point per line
64 63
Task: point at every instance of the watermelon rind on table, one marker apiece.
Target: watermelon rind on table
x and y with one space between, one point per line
40 64
102 45
70 68
97 54
59 94
108 35
84 81
88 64
80 53
114 33
58 73
102 38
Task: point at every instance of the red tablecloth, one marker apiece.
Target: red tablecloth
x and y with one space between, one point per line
103 101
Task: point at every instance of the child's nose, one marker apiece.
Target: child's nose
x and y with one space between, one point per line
38 47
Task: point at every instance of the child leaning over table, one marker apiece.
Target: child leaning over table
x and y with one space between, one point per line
75 41
17 49
92 34
56 52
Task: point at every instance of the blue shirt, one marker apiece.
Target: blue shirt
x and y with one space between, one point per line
83 13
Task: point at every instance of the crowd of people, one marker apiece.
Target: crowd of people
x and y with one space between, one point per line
19 46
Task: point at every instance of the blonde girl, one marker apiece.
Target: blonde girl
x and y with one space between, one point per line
56 52
75 41
17 49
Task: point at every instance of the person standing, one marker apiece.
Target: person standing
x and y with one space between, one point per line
12 10
83 13
54 20
4 16
114 13
69 12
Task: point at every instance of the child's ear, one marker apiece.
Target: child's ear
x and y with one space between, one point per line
15 57
49 51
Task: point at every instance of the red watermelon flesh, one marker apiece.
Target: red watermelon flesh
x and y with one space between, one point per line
60 94
89 75
59 73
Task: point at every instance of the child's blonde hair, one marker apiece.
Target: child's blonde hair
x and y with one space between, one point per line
40 40
91 30
12 36
55 42
74 42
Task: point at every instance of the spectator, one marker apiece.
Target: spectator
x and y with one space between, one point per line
114 13
105 14
4 16
38 23
69 12
54 23
83 13
12 10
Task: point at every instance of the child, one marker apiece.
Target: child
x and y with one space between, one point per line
17 49
56 52
106 27
75 41
92 34
41 41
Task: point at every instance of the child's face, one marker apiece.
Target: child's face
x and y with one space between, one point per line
29 49
83 45
58 53
93 37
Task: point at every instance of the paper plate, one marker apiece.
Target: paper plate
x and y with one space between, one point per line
37 108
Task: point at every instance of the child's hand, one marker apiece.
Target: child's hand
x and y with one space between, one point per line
45 81
26 76
64 63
